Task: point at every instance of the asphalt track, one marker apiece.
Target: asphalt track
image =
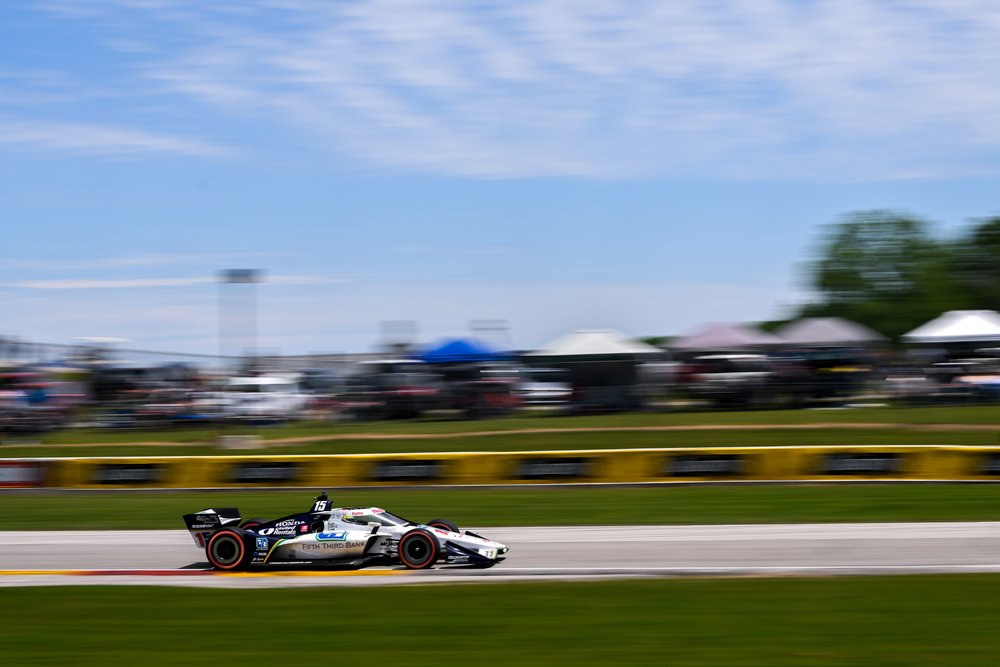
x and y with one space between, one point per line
169 557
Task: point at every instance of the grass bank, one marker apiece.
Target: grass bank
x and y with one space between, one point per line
529 506
513 440
903 416
911 621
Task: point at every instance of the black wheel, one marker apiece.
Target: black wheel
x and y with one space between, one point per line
252 524
443 524
227 549
418 549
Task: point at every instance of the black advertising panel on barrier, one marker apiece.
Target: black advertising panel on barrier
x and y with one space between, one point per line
407 470
687 465
127 473
21 474
866 463
990 464
704 465
554 468
264 472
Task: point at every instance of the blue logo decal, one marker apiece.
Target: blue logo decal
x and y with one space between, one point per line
331 537
261 542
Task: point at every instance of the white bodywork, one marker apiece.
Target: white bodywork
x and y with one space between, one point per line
351 533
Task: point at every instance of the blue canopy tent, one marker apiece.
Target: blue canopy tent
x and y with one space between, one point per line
459 350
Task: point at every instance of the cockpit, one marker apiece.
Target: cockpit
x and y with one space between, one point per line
365 516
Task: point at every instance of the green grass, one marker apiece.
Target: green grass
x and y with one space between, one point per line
876 621
895 425
981 415
529 506
527 441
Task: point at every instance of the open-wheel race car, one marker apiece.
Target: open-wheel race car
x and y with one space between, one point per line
347 536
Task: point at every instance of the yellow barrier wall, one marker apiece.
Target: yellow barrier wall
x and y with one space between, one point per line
831 463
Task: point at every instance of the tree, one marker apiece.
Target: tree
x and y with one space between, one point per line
884 270
976 264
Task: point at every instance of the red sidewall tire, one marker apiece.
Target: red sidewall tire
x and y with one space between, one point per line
444 524
411 540
226 549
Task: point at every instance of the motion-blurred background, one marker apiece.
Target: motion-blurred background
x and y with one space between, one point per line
604 261
896 316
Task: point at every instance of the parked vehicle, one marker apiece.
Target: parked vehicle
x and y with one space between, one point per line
543 387
28 404
260 398
481 389
390 389
729 380
969 379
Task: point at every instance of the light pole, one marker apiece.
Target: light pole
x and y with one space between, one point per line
238 312
398 336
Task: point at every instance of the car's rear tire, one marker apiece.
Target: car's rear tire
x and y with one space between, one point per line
252 524
227 550
443 524
418 549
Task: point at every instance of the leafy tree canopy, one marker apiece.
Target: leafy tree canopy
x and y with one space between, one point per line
887 271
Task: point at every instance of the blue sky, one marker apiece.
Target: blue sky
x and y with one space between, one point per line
645 166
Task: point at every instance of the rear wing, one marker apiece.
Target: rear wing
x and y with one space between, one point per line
204 523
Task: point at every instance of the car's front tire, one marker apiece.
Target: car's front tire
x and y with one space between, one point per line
418 549
443 524
227 550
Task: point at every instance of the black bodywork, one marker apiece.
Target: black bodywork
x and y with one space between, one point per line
262 537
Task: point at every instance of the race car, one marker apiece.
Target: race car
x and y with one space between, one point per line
353 536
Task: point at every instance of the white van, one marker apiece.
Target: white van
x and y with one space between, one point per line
264 397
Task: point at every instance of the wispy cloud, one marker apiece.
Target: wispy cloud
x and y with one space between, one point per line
127 261
442 247
89 139
132 283
853 89
73 284
306 280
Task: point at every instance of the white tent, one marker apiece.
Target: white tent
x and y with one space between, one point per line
958 326
603 367
595 344
725 337
827 331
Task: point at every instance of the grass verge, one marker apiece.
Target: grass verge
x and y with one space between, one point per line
904 416
521 506
535 441
873 621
